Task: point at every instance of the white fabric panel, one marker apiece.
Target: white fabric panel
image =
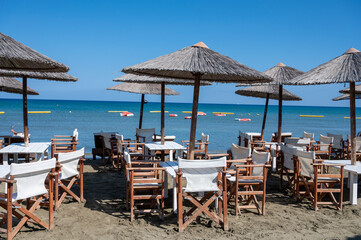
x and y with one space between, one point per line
325 140
306 160
288 152
239 152
75 134
358 144
201 175
308 135
146 133
30 178
204 139
128 161
257 159
69 162
337 140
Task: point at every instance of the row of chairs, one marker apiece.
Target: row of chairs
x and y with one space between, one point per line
44 183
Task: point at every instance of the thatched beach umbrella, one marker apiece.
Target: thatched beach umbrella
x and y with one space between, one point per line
36 75
346 97
342 69
267 91
347 90
157 80
11 85
281 75
199 63
142 88
16 56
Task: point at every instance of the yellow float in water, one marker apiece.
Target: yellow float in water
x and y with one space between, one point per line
186 111
116 111
222 113
2 112
314 116
39 111
349 117
157 111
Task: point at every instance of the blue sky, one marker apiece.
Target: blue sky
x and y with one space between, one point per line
98 38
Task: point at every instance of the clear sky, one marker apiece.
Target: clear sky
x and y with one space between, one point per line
96 39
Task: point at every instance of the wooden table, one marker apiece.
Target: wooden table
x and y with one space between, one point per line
167 146
172 169
40 149
353 172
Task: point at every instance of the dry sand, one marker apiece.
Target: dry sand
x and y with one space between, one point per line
103 216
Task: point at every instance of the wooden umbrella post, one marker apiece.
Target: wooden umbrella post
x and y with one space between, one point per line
279 139
264 116
25 112
192 138
141 112
353 123
162 112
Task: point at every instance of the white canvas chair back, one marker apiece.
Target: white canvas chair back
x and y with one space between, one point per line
358 144
119 139
147 134
106 137
30 178
306 161
128 161
308 135
75 134
239 152
298 142
201 175
283 134
204 139
325 140
337 140
243 138
288 152
259 158
69 162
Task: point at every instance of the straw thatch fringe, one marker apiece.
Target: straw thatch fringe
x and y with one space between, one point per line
149 79
357 90
282 73
186 62
346 97
39 75
271 89
11 85
142 88
16 56
345 68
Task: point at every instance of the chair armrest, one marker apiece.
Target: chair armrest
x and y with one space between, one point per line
218 155
253 165
7 180
147 168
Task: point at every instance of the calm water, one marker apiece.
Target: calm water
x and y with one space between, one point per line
92 116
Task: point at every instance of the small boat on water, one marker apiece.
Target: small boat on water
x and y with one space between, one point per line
220 114
173 115
201 114
126 114
188 117
243 119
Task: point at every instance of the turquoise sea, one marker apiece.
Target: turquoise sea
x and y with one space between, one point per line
93 116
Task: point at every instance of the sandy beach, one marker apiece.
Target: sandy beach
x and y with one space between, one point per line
102 215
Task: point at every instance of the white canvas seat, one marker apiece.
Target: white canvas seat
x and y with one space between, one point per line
29 179
70 168
145 135
205 176
308 135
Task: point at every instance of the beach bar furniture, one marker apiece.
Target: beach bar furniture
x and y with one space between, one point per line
317 183
245 139
145 187
200 64
39 149
143 89
311 136
69 167
201 147
99 149
208 177
323 147
29 180
64 143
337 145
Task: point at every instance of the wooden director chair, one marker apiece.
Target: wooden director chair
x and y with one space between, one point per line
29 179
70 168
317 184
145 187
63 144
208 177
200 149
323 148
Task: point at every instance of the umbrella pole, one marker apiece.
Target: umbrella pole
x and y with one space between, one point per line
353 123
141 112
25 112
192 138
280 115
264 116
162 112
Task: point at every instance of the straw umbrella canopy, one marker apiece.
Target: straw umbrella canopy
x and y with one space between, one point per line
347 90
346 97
16 56
342 69
198 63
11 85
143 89
158 80
61 76
268 91
281 75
